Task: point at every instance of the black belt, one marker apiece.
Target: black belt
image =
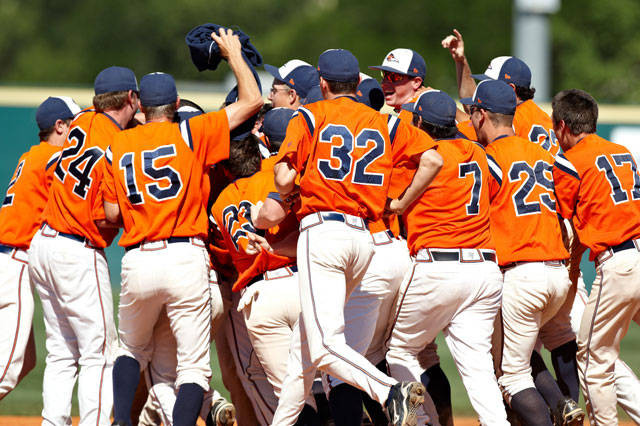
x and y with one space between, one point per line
74 237
629 244
6 249
260 277
169 240
546 262
454 256
338 217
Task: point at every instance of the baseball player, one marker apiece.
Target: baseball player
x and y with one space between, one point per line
598 187
345 182
67 264
291 83
529 121
20 214
454 284
536 282
153 184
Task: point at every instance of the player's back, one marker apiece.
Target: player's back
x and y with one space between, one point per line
349 157
27 194
524 222
158 181
608 204
532 123
232 210
75 200
454 210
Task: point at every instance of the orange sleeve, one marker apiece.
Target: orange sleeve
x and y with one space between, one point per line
409 143
208 135
295 148
108 181
567 184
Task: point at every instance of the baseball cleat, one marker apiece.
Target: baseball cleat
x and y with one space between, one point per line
568 413
223 413
403 402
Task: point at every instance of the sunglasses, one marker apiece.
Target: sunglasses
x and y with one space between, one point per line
393 77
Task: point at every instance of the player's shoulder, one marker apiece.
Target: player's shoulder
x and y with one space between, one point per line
43 154
531 110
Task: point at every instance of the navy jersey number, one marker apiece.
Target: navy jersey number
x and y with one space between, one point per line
473 208
618 194
231 217
8 199
530 178
343 153
539 135
167 181
82 163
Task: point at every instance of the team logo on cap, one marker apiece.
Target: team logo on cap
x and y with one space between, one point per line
292 82
507 76
359 93
391 58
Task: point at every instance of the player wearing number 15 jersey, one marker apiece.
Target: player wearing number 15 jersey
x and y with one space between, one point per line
526 231
68 265
455 283
598 188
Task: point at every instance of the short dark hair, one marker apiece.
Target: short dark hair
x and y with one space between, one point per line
525 93
500 119
188 103
578 110
168 111
244 157
436 131
342 87
45 134
110 101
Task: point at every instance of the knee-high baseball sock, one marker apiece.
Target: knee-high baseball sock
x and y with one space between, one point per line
374 409
439 389
345 403
566 368
188 404
531 408
308 417
126 374
544 381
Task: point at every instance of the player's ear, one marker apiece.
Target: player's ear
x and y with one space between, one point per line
178 102
60 126
416 82
292 95
513 86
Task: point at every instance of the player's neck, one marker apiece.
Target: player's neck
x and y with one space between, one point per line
330 95
119 116
158 120
571 140
497 132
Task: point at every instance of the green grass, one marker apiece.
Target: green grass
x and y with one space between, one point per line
26 399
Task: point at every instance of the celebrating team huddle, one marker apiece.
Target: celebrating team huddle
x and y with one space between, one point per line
323 245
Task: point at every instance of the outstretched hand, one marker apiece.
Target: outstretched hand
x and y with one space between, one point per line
228 43
257 244
455 44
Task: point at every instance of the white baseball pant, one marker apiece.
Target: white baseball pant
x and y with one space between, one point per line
333 257
627 385
16 316
369 312
532 294
461 299
271 308
174 276
73 282
250 371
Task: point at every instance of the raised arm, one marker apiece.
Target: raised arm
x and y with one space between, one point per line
249 96
455 45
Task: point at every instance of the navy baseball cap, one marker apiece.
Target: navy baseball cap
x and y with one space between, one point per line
296 74
157 89
369 92
338 65
404 61
435 107
55 108
508 69
115 79
275 123
493 95
314 95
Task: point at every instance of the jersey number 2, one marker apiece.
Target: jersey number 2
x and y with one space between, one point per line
343 153
165 173
8 200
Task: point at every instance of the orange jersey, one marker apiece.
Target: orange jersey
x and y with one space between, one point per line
454 210
75 201
467 129
27 195
598 186
268 163
533 124
232 212
156 172
344 152
524 222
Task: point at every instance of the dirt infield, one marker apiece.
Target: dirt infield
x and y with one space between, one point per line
36 421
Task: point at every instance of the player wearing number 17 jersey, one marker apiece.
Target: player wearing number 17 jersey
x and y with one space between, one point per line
598 188
455 284
68 265
343 151
526 231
